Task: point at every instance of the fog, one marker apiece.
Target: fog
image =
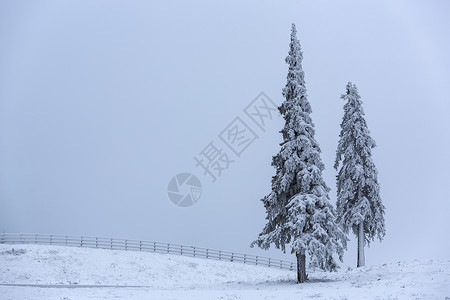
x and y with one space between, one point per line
102 103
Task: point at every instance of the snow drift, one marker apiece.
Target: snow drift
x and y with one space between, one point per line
58 272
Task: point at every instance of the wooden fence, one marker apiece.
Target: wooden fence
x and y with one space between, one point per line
148 246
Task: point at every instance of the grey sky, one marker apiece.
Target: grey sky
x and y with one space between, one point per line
102 102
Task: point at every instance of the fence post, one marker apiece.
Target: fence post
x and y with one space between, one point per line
49 238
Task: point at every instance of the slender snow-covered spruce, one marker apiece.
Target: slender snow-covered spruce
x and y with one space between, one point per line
299 212
358 204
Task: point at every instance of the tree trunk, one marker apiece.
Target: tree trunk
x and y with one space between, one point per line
361 259
301 267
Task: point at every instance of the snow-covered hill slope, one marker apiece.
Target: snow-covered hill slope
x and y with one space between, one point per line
56 272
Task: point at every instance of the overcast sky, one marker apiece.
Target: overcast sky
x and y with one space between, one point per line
103 102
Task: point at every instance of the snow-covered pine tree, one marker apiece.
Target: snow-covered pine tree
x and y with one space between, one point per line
299 211
358 204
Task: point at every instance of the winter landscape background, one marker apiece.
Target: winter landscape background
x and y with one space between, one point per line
102 103
81 273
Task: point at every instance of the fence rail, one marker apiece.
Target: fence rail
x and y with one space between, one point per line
147 246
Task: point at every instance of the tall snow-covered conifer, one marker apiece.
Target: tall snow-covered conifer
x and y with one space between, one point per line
299 213
359 204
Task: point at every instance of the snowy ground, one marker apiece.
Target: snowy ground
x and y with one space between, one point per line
57 272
